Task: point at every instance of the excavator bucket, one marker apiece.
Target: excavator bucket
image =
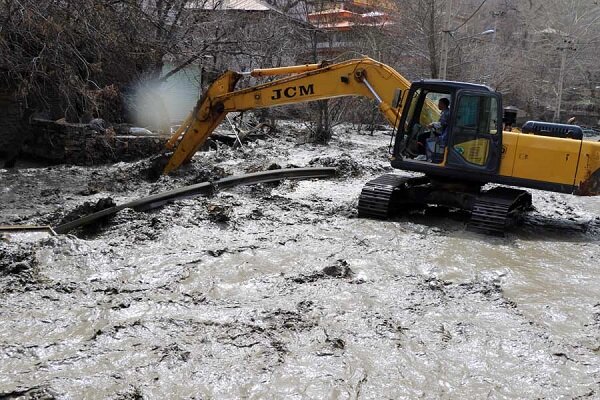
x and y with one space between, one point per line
196 128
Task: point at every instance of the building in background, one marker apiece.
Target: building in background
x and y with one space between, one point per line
343 23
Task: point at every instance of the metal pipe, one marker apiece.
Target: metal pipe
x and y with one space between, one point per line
157 200
27 228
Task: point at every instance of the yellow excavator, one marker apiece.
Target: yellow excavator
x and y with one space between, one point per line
457 150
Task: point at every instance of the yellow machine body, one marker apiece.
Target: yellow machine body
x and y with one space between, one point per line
548 159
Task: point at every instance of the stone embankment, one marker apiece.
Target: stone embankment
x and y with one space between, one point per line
86 144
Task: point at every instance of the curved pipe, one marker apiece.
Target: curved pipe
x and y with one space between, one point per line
204 188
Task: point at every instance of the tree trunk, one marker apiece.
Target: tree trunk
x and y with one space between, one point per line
322 134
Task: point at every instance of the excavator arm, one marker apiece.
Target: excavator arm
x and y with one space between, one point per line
359 77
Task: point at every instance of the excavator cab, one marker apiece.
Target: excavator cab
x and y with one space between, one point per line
458 150
468 144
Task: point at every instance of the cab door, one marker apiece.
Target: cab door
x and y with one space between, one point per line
475 138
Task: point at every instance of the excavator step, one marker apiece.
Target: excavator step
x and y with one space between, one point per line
376 199
496 210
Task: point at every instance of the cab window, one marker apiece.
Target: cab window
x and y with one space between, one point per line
476 120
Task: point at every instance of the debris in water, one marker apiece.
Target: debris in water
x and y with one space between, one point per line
88 208
340 270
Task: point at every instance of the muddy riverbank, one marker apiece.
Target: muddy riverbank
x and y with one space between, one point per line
280 291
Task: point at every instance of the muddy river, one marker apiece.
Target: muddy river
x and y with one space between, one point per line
280 291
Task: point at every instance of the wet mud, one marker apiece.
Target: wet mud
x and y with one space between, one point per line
280 291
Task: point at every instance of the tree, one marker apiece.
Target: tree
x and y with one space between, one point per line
58 56
419 27
571 31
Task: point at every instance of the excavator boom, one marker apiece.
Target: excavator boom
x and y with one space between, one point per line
310 82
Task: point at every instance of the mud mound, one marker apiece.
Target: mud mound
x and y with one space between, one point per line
554 214
146 177
132 393
219 213
207 173
261 167
14 256
189 173
282 320
37 393
87 208
379 154
18 266
119 179
133 226
345 164
341 270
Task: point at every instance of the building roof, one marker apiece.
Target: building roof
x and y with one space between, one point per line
342 19
242 5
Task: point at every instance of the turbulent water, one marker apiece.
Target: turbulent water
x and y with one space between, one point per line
280 291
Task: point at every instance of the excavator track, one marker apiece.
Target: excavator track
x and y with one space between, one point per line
496 210
377 197
384 196
492 212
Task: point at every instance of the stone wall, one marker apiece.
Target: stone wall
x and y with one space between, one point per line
78 144
10 118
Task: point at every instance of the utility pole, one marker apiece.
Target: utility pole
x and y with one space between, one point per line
444 56
445 43
567 45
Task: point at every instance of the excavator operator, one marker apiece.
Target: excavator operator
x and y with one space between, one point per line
426 141
442 125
